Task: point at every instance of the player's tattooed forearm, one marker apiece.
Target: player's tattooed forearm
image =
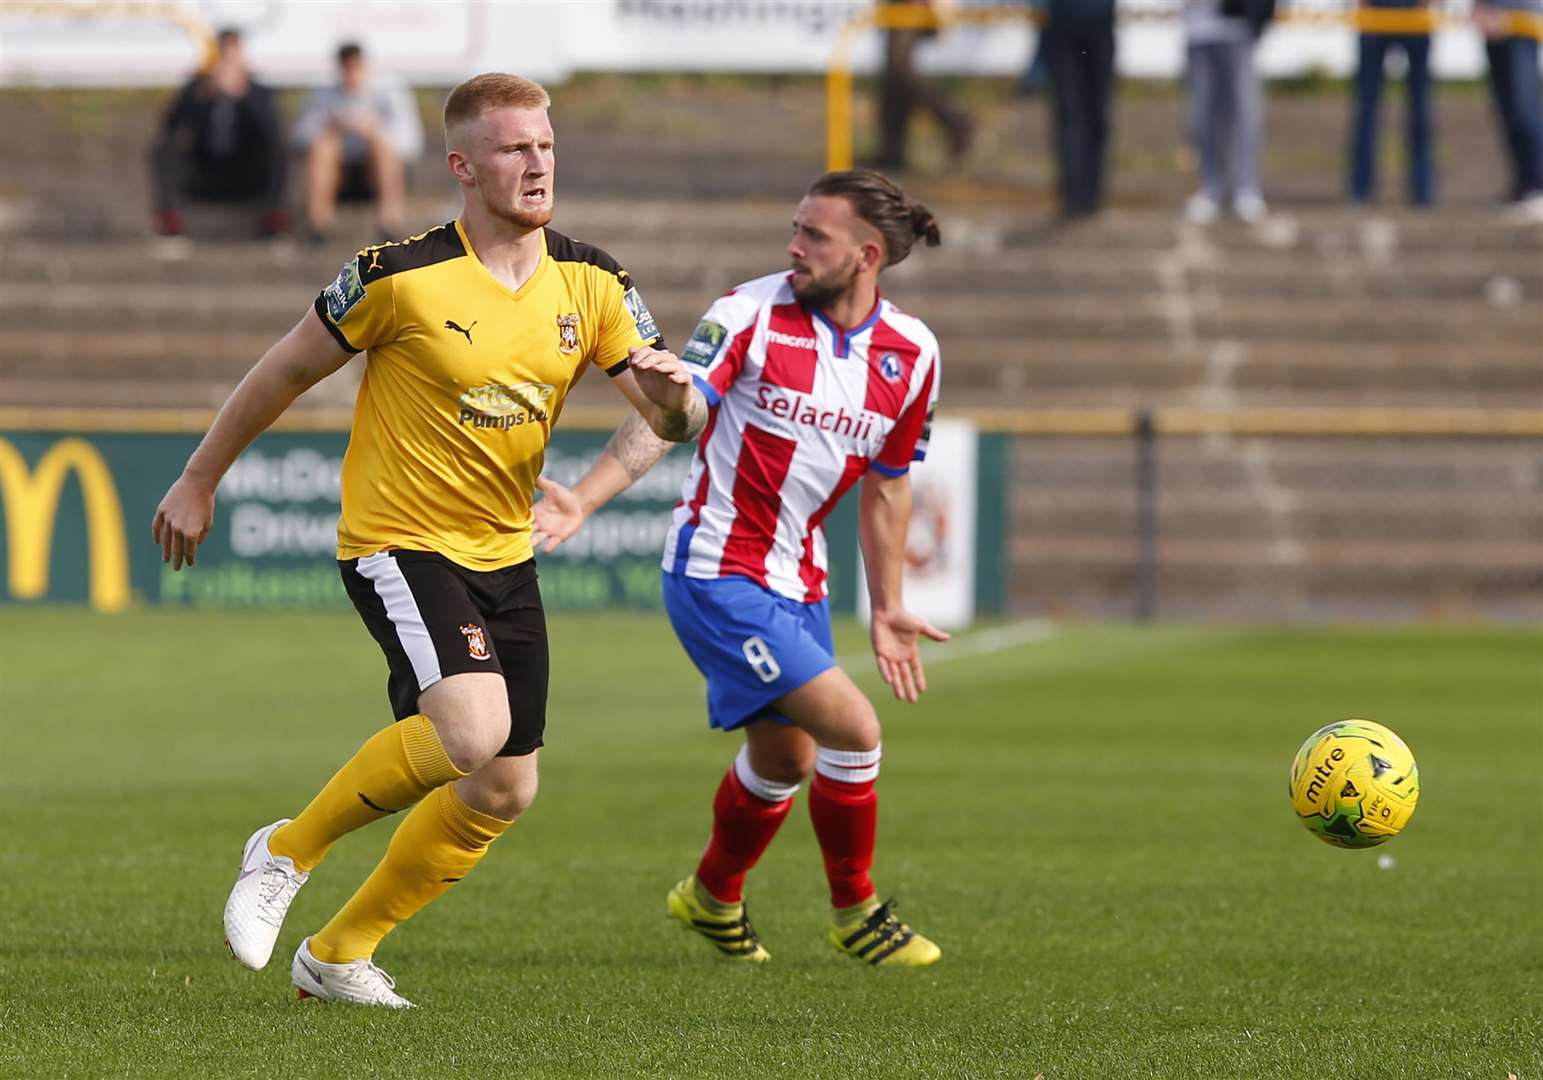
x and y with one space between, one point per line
636 446
687 424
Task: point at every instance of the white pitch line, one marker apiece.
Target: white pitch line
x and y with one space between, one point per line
997 639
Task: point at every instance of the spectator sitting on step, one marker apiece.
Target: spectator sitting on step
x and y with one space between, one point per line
1518 93
357 137
221 141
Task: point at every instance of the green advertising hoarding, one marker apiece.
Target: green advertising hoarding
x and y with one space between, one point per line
78 507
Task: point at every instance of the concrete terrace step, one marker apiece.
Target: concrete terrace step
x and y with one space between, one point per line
1500 279
1180 317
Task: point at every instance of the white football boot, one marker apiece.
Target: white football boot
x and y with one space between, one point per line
265 887
358 981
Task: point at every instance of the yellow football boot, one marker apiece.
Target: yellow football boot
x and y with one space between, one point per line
875 936
727 926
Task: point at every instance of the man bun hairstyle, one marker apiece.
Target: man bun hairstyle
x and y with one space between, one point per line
493 90
880 202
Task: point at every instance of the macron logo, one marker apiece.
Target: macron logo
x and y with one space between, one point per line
777 337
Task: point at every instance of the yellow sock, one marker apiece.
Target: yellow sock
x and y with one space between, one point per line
435 846
396 767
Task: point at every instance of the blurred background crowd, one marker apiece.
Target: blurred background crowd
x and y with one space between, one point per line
223 138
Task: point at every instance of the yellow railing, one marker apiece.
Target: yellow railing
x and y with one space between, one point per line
1166 420
182 16
838 75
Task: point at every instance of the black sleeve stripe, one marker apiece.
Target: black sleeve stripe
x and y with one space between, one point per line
321 313
618 367
435 246
562 249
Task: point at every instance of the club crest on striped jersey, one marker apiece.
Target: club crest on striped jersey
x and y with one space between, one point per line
889 366
476 642
568 333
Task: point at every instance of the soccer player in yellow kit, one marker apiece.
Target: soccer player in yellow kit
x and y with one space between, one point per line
474 332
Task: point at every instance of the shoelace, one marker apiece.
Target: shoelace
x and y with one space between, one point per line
365 975
751 941
278 890
883 920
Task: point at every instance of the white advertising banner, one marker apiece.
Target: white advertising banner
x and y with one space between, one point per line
940 545
440 42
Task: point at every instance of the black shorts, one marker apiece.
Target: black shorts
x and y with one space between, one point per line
433 618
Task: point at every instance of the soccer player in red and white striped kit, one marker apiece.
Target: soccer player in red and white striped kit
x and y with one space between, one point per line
814 382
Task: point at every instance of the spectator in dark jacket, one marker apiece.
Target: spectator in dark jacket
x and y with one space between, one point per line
1225 105
1374 49
221 141
1518 93
1080 57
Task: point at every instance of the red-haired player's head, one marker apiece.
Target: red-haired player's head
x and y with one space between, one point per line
499 146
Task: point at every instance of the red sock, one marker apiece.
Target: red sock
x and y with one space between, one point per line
743 825
846 818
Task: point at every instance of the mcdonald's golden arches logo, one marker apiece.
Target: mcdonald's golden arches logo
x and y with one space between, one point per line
31 498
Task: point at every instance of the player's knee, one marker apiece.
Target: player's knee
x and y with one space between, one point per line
857 725
506 793
784 765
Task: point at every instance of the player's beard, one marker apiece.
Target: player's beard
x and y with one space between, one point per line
822 291
526 219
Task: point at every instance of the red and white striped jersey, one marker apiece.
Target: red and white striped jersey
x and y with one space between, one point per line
800 409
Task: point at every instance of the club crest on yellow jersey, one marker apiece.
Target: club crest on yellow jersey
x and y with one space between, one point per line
568 333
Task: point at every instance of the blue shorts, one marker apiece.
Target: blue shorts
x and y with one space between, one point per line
751 644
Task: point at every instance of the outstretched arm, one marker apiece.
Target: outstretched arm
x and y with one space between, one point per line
638 445
883 514
632 451
299 360
660 388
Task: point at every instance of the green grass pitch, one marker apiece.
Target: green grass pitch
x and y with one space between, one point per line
1094 827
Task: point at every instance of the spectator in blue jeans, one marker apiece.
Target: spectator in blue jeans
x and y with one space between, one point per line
1518 92
1374 49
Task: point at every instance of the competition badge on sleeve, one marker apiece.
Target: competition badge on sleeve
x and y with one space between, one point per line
705 344
648 330
344 292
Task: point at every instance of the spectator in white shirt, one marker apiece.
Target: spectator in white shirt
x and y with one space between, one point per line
357 137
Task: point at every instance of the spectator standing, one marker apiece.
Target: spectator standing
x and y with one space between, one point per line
1373 52
1225 105
1518 93
357 137
1035 77
220 141
902 91
1080 56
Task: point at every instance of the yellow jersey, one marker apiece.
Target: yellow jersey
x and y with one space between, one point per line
464 379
